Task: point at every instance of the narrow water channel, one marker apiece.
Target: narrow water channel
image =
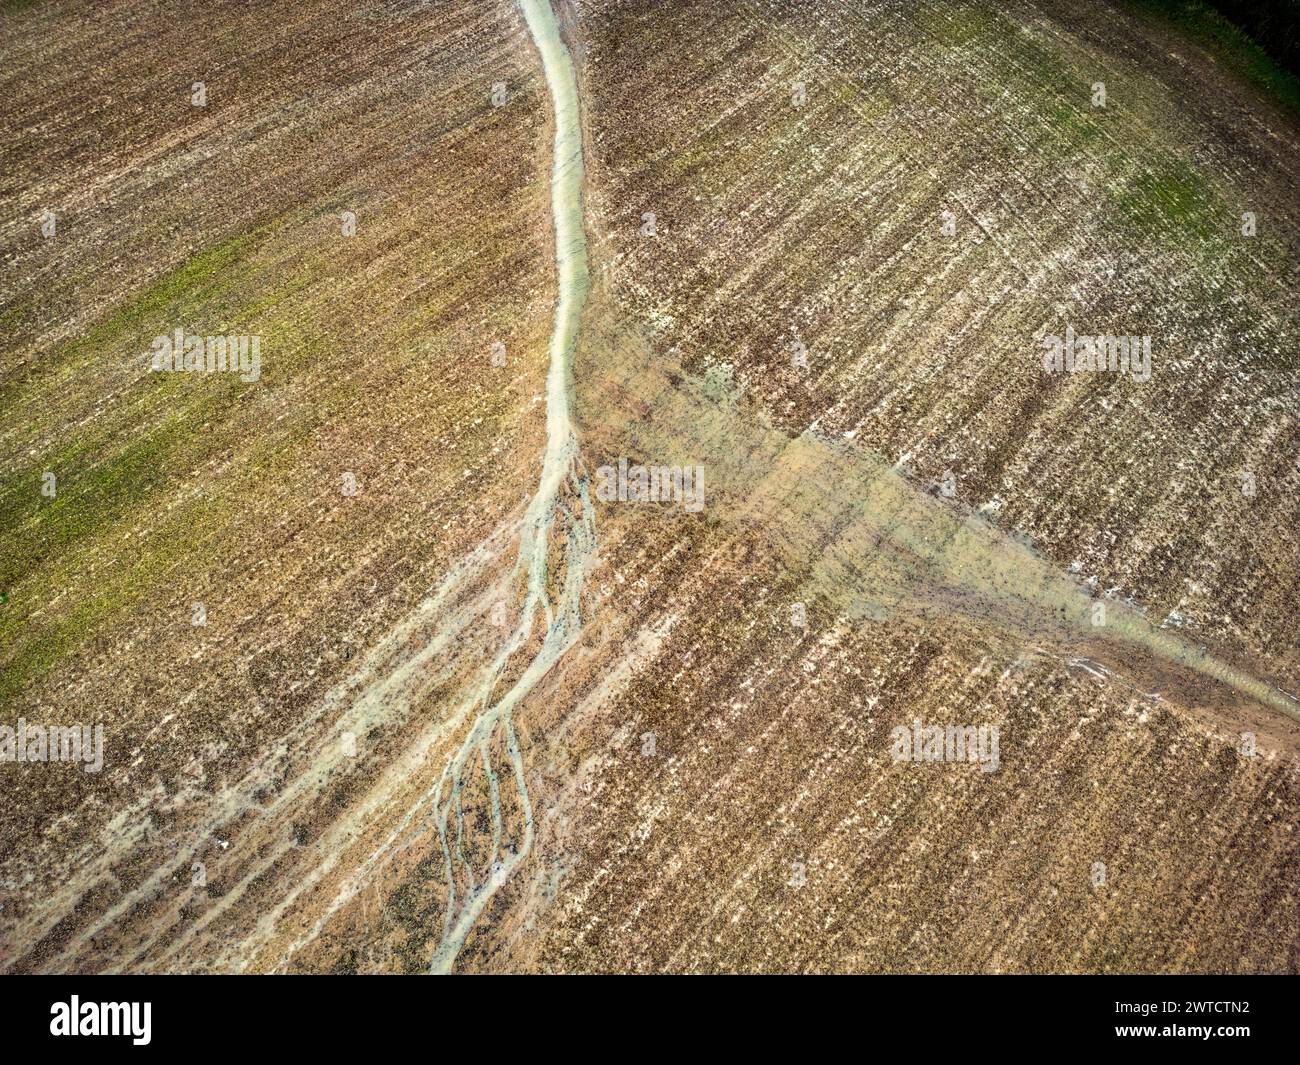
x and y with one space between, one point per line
562 496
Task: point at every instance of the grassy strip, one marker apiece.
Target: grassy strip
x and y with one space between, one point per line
1229 43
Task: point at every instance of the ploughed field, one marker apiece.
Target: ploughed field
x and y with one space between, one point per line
226 778
866 219
772 829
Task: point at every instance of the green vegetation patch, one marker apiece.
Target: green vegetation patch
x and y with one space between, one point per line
178 296
958 24
1174 198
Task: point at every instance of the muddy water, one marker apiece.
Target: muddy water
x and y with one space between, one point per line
562 496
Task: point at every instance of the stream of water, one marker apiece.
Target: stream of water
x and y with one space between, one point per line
562 497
